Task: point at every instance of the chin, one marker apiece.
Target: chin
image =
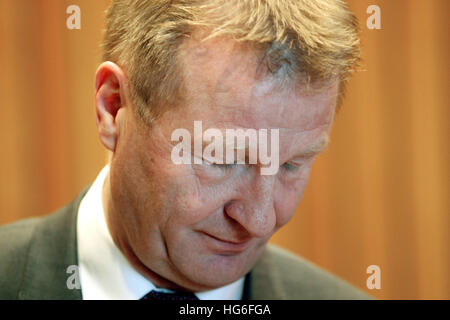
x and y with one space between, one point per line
211 271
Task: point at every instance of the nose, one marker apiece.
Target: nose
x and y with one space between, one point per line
254 209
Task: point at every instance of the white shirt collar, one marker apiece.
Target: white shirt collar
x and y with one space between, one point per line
105 273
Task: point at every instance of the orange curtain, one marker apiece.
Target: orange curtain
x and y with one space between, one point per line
377 196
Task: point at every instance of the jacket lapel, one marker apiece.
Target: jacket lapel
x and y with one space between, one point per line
52 251
264 281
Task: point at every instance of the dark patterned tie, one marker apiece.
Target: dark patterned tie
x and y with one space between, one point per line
175 296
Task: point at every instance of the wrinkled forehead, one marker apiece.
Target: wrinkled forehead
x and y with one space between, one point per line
227 77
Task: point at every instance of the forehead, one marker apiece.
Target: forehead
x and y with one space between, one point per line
224 78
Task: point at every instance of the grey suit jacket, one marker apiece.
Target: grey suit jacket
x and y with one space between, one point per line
35 254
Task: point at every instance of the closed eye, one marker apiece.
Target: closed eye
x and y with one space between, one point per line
225 166
289 167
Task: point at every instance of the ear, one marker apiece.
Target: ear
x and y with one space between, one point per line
111 94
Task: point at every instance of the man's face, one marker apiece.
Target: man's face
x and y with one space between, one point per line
202 226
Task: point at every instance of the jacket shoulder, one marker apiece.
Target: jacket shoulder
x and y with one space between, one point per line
35 252
293 277
15 240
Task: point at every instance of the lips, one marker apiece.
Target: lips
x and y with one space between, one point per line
226 246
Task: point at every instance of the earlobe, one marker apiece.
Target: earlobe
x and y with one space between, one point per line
110 94
106 126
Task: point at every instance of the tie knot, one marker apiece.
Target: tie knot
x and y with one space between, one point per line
170 296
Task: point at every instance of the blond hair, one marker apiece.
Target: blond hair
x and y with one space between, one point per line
315 40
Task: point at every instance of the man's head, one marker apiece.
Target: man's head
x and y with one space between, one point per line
231 64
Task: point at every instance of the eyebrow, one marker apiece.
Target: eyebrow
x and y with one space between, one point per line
319 146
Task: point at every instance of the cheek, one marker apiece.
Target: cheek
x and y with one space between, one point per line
189 200
285 205
288 197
